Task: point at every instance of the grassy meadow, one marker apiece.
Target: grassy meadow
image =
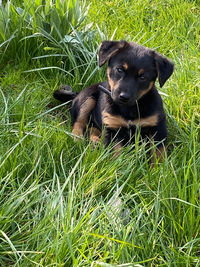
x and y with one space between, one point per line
66 203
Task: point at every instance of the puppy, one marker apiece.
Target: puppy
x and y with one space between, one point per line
130 99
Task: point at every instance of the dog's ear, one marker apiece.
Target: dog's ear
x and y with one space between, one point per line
164 67
108 49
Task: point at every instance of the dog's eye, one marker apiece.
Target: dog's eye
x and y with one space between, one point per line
142 78
120 70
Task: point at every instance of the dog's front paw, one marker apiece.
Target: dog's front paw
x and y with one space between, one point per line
95 135
77 134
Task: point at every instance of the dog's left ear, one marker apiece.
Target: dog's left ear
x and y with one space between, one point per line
164 68
108 49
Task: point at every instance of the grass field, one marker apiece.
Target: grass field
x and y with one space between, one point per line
64 203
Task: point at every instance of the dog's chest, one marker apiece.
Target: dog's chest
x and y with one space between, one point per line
128 113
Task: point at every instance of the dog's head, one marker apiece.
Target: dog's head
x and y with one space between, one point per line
132 70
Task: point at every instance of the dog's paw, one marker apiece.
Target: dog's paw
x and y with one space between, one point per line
77 134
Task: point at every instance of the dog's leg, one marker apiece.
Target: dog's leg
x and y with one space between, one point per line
111 136
118 137
95 135
157 154
158 137
81 114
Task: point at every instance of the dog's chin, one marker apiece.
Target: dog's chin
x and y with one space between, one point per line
128 103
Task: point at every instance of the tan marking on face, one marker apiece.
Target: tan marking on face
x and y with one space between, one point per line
110 81
146 122
112 84
125 66
81 121
140 72
95 135
113 121
144 92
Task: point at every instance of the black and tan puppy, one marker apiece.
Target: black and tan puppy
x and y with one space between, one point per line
133 100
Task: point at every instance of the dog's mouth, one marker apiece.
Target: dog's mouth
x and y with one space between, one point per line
126 102
121 100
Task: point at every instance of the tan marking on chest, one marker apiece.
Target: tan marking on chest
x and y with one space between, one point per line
113 121
146 122
116 121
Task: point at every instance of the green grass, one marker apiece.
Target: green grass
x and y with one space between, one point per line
57 196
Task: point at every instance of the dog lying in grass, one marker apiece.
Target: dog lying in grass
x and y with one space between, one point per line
127 100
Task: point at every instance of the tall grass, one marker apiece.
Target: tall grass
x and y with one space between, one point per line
44 34
64 203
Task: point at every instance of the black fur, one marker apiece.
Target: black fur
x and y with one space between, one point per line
132 72
64 94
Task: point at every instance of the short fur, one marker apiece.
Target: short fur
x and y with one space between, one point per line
134 101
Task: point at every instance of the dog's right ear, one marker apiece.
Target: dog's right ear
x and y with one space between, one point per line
108 49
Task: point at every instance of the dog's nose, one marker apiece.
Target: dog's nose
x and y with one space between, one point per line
123 97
